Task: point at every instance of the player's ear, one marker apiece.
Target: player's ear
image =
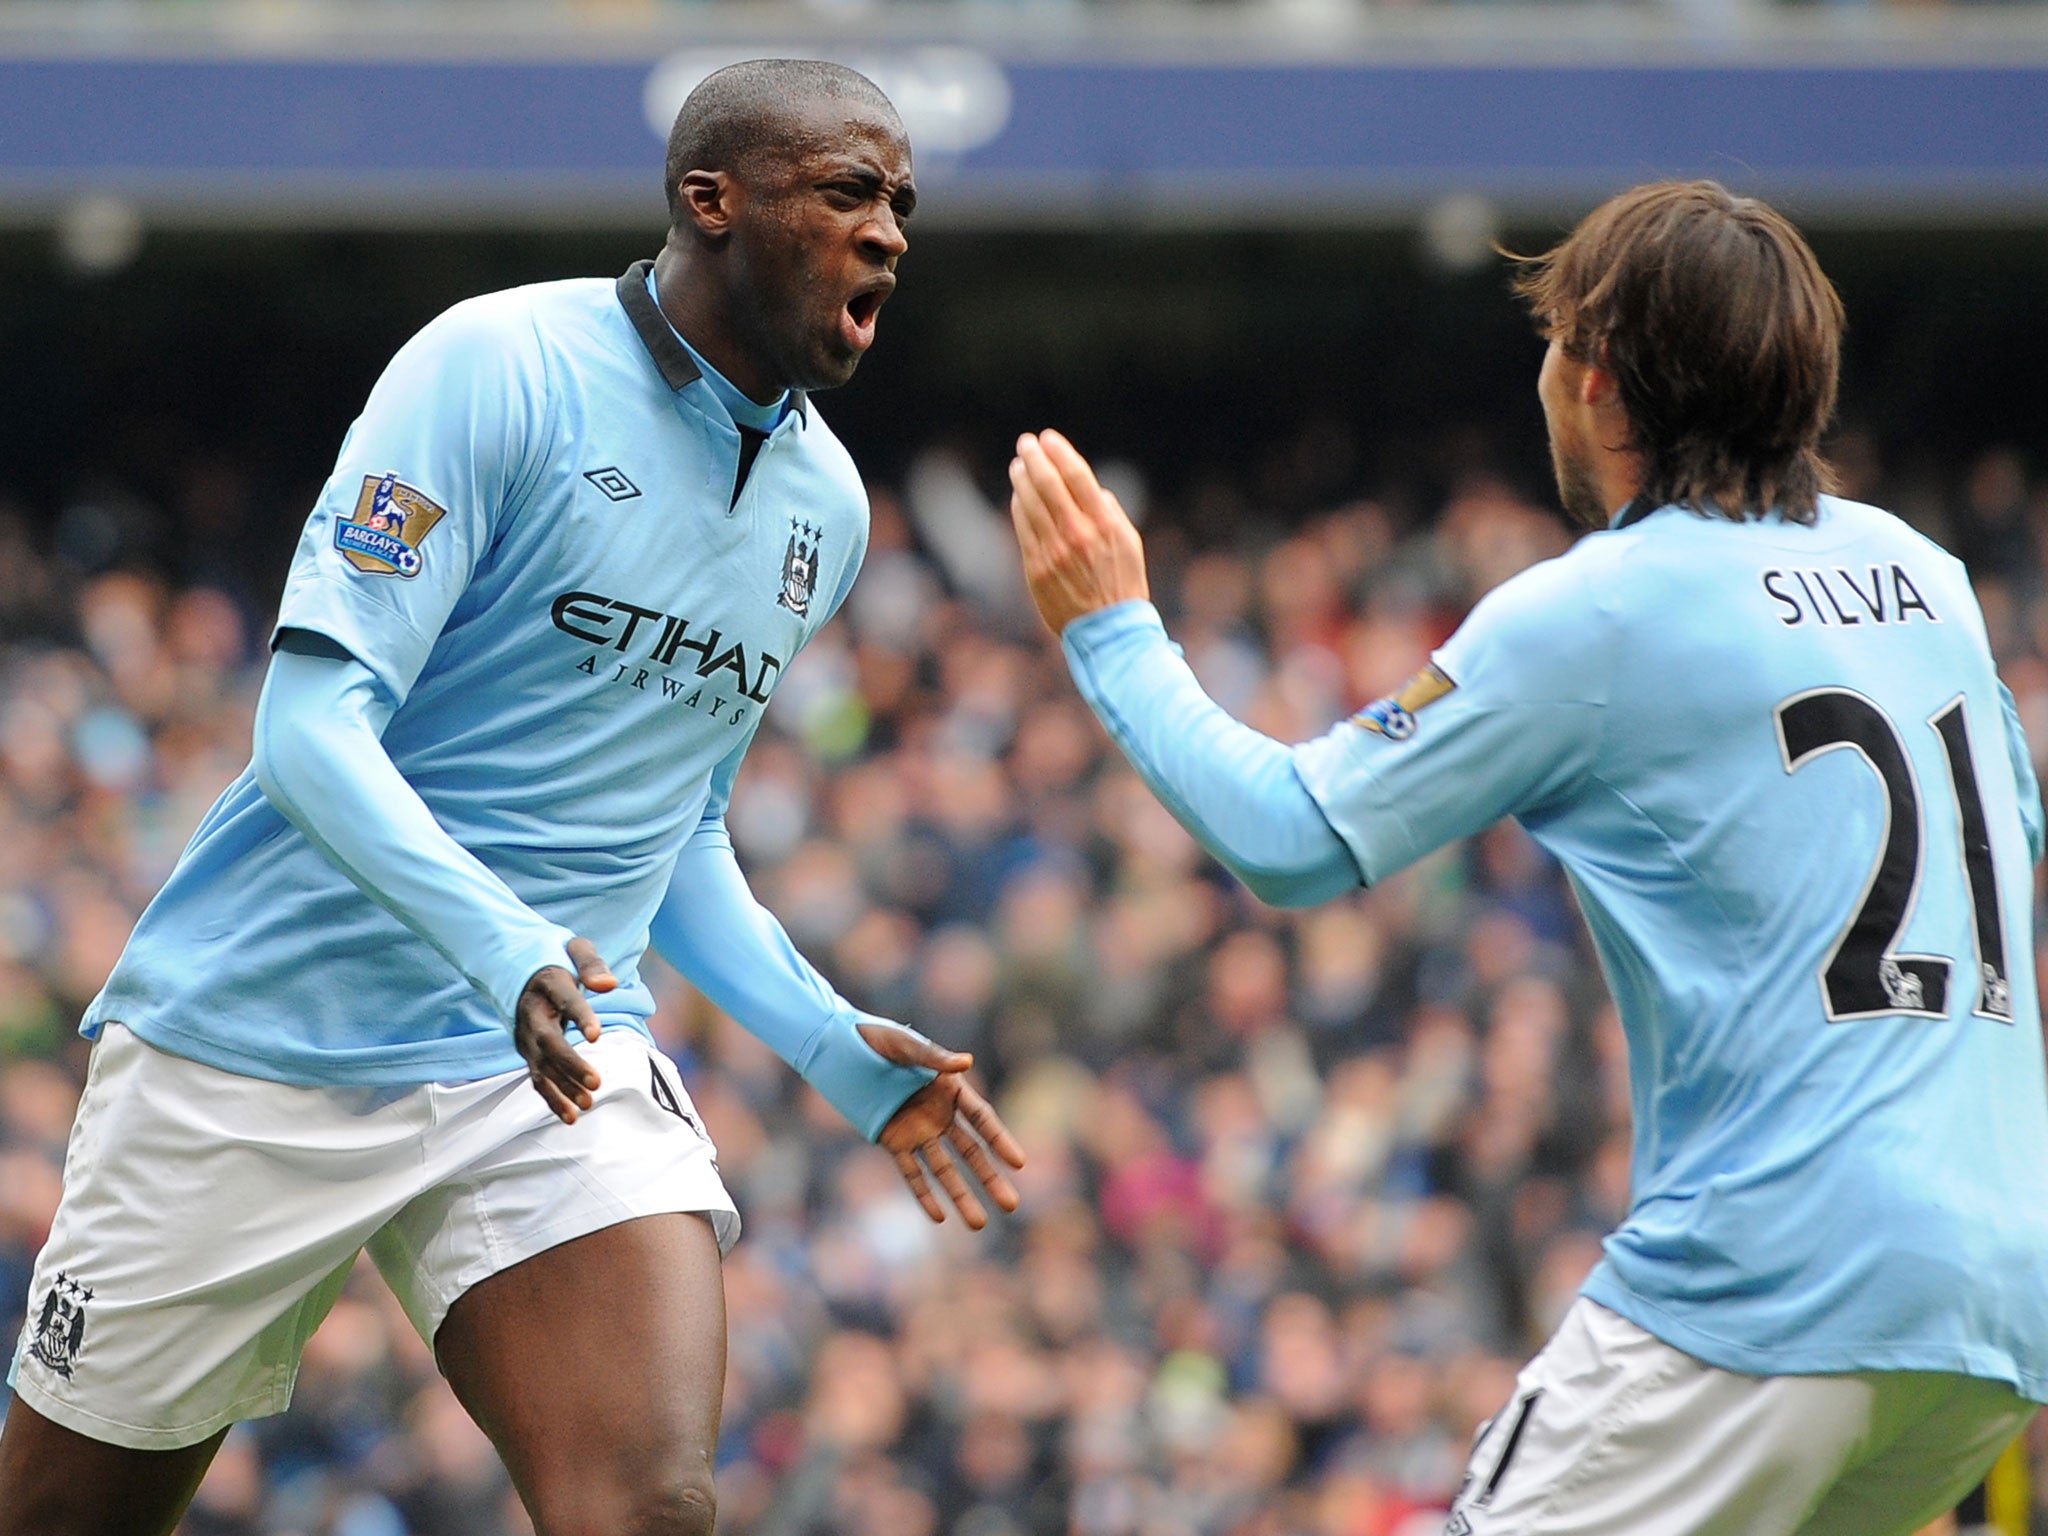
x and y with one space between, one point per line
708 202
1598 386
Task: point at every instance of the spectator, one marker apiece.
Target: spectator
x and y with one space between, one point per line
1272 1269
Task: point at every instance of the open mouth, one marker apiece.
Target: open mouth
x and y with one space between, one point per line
864 306
861 309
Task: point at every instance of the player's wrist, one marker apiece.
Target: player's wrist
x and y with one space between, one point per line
520 962
855 1079
1111 621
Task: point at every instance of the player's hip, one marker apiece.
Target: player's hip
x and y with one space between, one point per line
386 1021
208 1217
1873 1284
1613 1432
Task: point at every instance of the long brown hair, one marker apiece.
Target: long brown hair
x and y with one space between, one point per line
1722 332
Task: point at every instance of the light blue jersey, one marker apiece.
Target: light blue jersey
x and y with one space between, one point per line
1787 786
531 539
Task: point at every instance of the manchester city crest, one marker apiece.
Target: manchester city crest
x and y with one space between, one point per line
800 568
382 536
60 1326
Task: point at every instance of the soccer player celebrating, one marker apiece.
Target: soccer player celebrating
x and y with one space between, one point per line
571 544
1760 728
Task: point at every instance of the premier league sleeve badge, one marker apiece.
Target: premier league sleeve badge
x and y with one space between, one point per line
1394 716
382 536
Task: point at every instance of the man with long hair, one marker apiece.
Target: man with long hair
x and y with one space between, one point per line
1760 728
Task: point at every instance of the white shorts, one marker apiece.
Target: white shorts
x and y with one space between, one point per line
209 1220
1612 1432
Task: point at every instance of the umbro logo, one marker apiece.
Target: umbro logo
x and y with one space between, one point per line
613 482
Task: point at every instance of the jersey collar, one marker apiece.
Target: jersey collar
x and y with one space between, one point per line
669 354
1638 509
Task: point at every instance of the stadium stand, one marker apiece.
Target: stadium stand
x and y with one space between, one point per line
1304 1188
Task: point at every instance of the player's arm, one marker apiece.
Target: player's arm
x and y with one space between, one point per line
2024 779
320 759
445 451
1300 824
892 1084
1234 788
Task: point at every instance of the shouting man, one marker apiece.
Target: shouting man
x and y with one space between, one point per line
388 999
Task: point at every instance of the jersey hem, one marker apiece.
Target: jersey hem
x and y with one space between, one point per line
467 1060
1837 1360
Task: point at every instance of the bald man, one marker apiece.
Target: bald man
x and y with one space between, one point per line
389 999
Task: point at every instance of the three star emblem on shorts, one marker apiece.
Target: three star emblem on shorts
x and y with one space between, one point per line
613 482
60 1327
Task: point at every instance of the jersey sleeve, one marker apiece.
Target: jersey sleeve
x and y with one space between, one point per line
2025 784
1235 789
1505 720
425 478
715 933
318 757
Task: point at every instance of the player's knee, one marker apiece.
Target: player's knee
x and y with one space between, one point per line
688 1507
657 1504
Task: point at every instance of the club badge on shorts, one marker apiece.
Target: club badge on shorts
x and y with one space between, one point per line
60 1326
382 536
1394 716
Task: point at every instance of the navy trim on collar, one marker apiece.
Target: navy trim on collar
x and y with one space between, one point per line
659 337
1635 512
656 335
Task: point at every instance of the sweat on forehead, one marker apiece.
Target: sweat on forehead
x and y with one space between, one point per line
762 105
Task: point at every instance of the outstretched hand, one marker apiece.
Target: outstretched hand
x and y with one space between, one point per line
553 1002
1081 550
946 1109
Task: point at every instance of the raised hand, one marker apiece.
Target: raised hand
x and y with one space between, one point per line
947 1109
1081 551
552 1002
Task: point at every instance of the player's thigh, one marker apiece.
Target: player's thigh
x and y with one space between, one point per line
597 1369
206 1226
1937 1437
569 1275
56 1482
505 1180
1612 1432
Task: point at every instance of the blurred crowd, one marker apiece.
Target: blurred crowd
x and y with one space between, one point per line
1304 1188
274 13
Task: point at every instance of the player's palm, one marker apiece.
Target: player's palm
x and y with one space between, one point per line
947 1110
1081 552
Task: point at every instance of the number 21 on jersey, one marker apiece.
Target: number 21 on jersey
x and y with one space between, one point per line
1865 976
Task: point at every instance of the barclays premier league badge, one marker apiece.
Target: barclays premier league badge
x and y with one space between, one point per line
382 536
1394 716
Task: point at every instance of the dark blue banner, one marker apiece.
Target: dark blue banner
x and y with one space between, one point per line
1016 136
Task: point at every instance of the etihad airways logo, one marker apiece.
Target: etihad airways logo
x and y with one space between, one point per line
677 652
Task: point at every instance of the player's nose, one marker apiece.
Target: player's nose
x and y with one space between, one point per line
883 234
